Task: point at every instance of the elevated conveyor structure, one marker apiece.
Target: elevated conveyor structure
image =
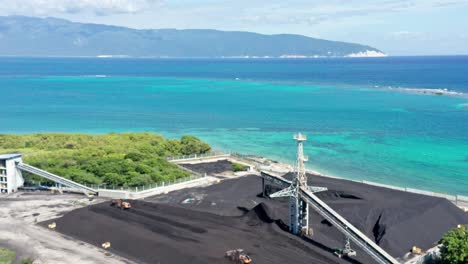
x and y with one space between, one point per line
55 178
361 240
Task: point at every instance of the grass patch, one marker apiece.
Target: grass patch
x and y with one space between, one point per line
27 261
7 256
239 167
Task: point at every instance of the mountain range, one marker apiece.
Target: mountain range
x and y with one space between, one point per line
32 36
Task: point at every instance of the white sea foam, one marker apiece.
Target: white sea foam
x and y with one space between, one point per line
367 53
428 91
94 76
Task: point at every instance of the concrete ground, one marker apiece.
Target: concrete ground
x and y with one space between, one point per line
19 213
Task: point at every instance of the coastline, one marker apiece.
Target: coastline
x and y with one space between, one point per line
283 168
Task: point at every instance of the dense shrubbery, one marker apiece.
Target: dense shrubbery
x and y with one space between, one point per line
130 159
455 246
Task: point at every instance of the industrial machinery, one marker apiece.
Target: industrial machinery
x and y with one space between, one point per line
347 251
106 245
298 207
121 204
238 256
301 196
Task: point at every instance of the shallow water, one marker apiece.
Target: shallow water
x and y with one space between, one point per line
355 131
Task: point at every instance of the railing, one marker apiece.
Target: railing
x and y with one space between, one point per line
143 187
458 200
197 156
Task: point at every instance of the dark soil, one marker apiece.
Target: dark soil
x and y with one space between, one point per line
210 168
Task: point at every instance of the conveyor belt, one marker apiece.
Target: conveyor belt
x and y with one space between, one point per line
54 178
339 222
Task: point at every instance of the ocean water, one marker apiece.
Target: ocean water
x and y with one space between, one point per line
357 128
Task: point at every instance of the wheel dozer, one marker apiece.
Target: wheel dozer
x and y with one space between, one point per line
238 256
121 204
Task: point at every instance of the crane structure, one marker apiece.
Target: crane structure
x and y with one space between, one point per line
298 207
301 196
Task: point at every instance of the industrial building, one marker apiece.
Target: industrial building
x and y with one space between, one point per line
10 176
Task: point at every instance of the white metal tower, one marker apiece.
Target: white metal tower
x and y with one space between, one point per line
298 207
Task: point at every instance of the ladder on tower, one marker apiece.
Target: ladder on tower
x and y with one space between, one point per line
55 178
360 239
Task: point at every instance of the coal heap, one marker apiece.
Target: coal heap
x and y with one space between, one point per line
161 233
395 220
210 168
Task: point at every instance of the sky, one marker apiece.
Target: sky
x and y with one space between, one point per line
397 27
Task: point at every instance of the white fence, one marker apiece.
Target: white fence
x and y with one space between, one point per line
144 187
198 156
141 194
459 200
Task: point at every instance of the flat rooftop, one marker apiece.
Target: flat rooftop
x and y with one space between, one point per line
8 156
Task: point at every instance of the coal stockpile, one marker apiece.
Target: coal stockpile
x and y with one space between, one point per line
161 233
209 168
395 220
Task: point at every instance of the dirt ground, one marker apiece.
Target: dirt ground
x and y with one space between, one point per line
19 231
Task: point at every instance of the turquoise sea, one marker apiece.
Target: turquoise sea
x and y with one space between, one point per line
357 127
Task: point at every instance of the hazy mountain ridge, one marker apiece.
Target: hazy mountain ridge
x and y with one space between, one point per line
28 36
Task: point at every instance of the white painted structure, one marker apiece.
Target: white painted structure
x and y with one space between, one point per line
10 177
298 207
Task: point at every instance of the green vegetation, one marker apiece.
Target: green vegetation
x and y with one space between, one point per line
455 246
129 159
7 256
27 261
239 167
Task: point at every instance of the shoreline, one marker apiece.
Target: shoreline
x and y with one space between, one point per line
282 167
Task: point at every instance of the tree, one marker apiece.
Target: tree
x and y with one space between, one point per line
455 246
114 179
130 159
135 156
192 145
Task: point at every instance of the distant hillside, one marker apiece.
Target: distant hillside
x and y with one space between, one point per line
28 36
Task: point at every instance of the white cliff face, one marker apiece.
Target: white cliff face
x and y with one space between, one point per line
367 53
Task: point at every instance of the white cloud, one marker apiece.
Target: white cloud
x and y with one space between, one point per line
404 34
50 7
321 11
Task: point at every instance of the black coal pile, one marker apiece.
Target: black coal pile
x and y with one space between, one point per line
395 220
210 168
161 233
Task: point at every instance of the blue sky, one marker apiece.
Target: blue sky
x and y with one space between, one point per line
412 27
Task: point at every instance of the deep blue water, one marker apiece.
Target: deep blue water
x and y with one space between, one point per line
356 129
